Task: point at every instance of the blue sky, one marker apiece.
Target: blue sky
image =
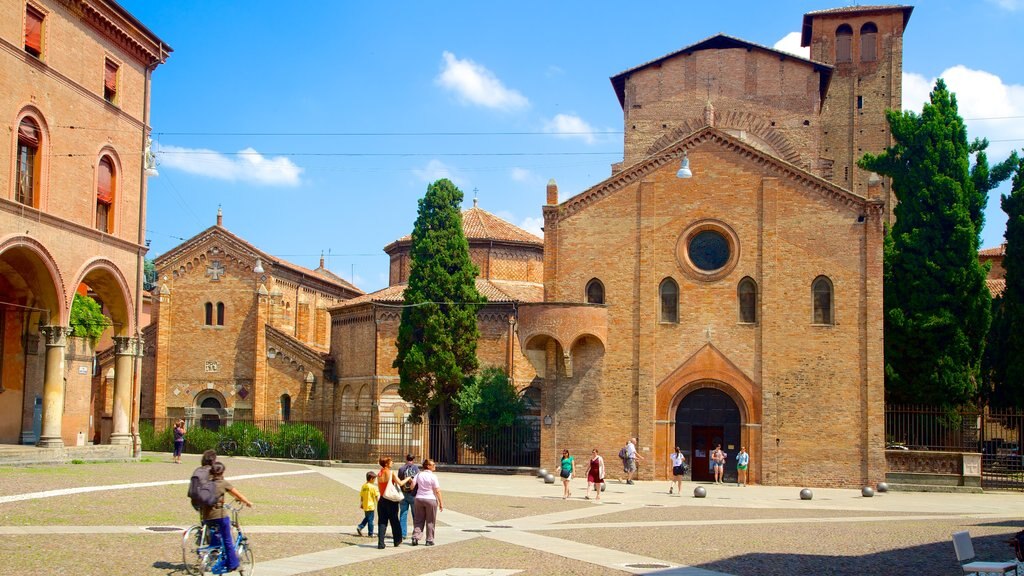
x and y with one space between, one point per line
318 129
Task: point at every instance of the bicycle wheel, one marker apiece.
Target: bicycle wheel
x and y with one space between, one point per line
193 543
254 449
246 564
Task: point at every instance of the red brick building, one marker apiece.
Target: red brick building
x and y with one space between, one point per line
742 305
76 79
238 333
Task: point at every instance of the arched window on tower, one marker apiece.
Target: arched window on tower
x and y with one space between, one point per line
595 292
669 292
105 184
746 293
844 43
286 407
220 313
868 42
29 142
821 293
209 314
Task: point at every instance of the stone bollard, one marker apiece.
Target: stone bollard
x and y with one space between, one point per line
542 472
867 492
882 487
549 479
806 494
699 492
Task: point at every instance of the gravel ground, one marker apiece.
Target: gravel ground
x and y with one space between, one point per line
304 499
475 553
156 554
495 508
841 549
685 513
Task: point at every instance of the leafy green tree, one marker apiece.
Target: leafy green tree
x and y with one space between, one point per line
87 319
1004 357
438 332
489 409
937 306
149 278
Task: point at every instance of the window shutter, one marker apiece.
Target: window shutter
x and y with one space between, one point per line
28 133
110 78
33 31
105 182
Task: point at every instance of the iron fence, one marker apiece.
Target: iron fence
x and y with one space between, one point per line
995 433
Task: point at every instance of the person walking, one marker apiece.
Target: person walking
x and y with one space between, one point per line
387 511
219 520
718 462
742 463
428 503
568 466
678 469
179 440
595 475
368 497
408 471
629 458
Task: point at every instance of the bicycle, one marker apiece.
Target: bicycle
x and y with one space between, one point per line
302 451
227 447
200 556
259 449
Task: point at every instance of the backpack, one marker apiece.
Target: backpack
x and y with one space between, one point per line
202 491
1018 545
623 453
408 471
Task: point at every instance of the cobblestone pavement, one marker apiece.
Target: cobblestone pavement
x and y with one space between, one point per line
303 523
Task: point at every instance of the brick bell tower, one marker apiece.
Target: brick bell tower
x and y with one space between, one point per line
865 45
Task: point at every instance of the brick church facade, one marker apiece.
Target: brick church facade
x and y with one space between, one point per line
742 305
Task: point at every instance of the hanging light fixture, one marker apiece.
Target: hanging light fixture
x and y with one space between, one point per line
684 167
150 159
258 268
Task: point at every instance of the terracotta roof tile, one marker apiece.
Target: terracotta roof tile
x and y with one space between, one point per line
996 286
997 251
479 224
496 291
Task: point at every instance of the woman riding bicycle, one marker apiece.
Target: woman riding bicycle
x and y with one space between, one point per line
219 521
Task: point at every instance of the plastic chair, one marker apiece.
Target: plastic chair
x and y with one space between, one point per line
965 554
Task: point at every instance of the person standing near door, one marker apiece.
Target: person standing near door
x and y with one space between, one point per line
678 469
742 462
718 461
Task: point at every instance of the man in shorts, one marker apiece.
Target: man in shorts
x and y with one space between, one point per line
629 462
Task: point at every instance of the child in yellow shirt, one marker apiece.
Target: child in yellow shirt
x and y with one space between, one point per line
368 497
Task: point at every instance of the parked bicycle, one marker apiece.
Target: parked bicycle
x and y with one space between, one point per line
200 555
227 447
303 451
259 448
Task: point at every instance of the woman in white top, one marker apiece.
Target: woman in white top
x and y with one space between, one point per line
427 504
678 469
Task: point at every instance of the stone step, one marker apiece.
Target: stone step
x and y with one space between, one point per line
935 488
17 455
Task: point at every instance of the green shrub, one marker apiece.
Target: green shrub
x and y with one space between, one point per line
243 433
152 441
289 435
199 440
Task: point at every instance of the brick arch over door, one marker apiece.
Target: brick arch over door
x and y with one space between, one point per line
735 120
707 368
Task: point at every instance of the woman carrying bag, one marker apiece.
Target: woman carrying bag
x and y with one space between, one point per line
387 507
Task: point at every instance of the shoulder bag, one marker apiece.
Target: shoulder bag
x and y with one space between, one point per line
391 492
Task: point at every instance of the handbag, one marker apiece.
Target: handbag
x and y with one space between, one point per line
391 493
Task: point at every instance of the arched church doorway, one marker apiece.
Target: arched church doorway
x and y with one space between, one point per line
209 413
705 418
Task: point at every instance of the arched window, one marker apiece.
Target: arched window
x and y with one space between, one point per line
844 43
220 313
746 293
868 42
669 292
209 314
26 185
286 407
105 183
821 293
595 292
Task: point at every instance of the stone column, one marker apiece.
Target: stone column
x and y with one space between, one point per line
124 355
56 338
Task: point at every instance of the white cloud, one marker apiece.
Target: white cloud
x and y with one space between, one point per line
474 84
521 174
435 170
1011 5
791 43
553 71
247 165
534 225
571 126
983 100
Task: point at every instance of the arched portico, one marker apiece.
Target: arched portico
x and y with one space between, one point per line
724 385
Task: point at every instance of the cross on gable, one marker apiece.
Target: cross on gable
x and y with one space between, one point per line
215 270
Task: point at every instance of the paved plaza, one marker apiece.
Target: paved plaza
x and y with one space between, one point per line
126 518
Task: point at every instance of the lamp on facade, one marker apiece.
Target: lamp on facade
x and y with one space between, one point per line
150 158
684 167
258 268
547 420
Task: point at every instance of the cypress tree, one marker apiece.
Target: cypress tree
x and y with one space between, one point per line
937 305
438 333
1005 353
